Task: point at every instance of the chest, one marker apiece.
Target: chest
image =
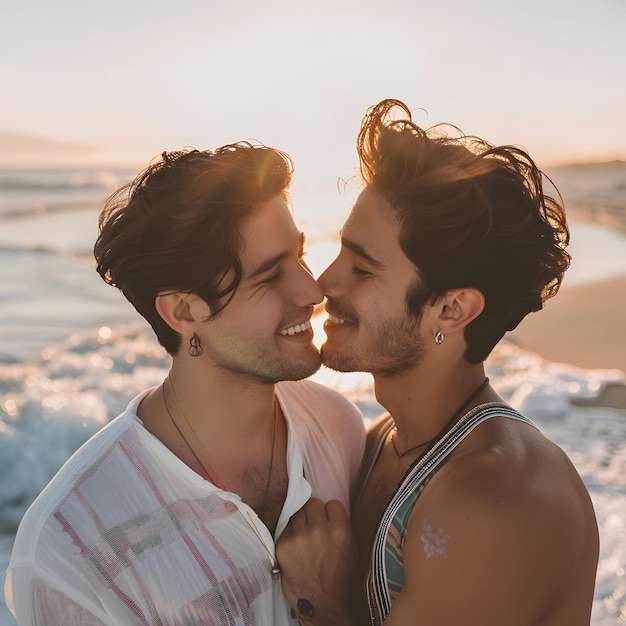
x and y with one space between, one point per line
264 489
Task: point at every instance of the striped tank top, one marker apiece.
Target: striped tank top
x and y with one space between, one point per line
385 579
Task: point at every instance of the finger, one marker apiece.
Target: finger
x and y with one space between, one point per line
336 511
298 521
315 511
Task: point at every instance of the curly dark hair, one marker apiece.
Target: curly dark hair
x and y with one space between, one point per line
471 215
176 226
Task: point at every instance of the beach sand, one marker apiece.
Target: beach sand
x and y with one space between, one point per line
584 326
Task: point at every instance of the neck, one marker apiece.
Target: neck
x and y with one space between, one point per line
226 407
230 433
423 400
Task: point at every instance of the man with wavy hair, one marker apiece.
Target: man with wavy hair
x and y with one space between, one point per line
169 514
465 512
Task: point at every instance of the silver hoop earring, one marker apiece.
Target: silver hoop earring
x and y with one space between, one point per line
439 337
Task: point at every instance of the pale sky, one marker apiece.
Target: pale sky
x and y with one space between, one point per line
131 78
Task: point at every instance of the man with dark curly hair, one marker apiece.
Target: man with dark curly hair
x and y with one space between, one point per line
169 514
465 513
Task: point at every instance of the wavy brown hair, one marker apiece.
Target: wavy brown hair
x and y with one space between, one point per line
471 215
176 226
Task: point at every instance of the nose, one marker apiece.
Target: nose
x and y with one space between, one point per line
328 280
308 292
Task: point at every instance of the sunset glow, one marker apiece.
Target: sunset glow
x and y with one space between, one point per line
119 82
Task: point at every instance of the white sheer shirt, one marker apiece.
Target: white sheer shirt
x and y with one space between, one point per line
126 533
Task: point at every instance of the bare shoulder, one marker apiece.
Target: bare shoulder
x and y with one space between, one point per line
507 478
508 513
511 463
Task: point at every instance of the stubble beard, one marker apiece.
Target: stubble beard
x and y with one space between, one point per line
396 348
289 370
263 367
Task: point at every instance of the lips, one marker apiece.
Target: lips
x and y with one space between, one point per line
339 317
337 324
296 329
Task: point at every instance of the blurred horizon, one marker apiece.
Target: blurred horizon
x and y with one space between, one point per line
46 153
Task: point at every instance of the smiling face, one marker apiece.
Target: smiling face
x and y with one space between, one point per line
265 330
369 328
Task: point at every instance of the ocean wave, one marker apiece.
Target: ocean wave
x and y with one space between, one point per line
42 250
50 405
60 180
36 208
35 193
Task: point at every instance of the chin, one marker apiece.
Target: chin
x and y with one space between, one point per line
340 362
298 371
303 374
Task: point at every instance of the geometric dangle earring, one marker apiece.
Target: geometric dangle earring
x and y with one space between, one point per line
195 347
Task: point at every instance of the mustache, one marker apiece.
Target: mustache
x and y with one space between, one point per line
307 312
333 308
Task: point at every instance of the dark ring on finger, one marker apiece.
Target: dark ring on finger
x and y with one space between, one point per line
305 607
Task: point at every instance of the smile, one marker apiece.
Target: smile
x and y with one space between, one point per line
336 320
298 328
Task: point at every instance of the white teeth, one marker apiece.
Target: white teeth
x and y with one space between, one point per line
336 320
294 330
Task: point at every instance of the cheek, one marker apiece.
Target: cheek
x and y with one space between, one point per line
369 313
266 308
373 302
385 310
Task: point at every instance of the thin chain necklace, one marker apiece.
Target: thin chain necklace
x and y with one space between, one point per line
206 466
274 568
451 421
215 479
210 473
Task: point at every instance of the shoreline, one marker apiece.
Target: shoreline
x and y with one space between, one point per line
585 326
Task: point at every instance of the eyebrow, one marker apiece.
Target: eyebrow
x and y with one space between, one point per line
268 264
359 250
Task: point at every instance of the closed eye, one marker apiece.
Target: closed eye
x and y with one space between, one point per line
360 272
274 278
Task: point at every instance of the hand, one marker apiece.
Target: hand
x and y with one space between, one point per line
317 558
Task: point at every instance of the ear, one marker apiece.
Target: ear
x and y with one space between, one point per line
180 310
458 307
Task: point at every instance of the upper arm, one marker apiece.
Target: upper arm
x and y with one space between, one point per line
35 601
482 556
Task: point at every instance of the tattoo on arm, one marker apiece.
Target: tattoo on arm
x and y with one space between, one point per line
434 540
